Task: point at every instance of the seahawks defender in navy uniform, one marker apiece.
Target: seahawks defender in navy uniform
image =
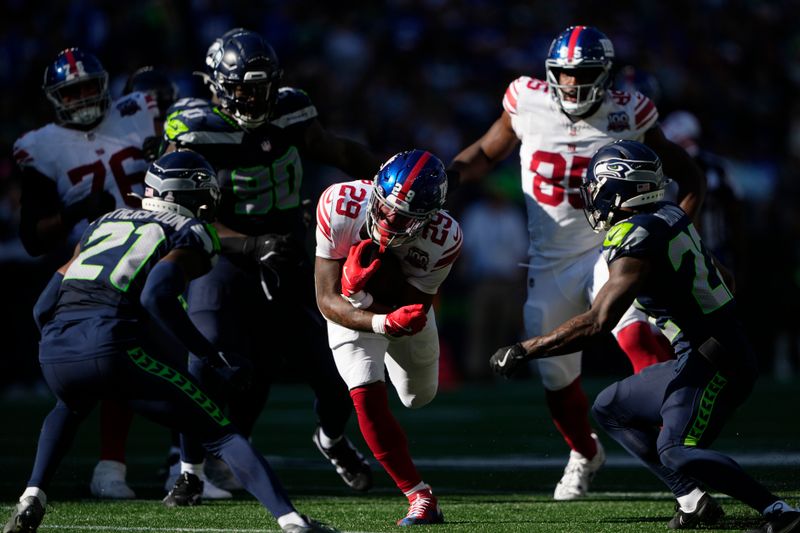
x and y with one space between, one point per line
129 268
263 287
670 413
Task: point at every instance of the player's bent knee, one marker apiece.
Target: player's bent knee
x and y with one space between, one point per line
559 372
419 398
602 409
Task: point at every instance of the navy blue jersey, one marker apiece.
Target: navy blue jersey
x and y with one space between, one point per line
118 250
684 293
259 171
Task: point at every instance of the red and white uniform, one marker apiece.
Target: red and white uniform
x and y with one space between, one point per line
412 361
108 157
566 268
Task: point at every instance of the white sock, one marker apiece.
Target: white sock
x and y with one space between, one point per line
326 441
779 506
418 487
36 492
688 502
292 518
192 468
113 466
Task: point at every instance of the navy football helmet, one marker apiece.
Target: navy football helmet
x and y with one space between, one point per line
216 45
156 83
408 190
623 174
245 78
587 54
77 85
184 183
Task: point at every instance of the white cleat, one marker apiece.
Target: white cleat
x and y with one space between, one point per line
578 473
108 481
210 490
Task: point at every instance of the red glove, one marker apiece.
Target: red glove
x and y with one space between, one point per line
407 320
357 269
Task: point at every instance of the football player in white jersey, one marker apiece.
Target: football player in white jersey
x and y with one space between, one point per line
561 123
383 249
86 163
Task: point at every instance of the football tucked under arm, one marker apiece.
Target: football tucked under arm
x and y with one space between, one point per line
388 285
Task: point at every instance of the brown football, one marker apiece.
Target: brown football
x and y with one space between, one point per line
388 283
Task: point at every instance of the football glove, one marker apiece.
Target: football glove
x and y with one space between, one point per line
508 359
236 371
358 268
151 148
89 208
274 250
407 320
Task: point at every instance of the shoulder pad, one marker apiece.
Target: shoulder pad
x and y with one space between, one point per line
293 106
520 88
133 103
187 103
184 125
624 238
452 245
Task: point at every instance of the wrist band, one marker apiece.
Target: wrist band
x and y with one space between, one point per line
379 324
360 300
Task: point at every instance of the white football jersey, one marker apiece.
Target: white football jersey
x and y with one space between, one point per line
554 156
108 157
426 261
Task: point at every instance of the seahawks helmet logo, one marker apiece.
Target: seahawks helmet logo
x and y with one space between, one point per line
621 169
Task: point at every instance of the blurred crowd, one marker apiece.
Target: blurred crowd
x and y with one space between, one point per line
431 74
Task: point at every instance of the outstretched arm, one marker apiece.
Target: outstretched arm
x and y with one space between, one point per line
626 276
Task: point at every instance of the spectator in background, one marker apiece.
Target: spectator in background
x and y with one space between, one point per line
492 269
720 223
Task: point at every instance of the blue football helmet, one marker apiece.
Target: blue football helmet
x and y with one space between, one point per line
587 54
623 174
245 78
408 190
183 183
77 85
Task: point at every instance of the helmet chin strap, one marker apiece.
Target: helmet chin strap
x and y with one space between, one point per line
161 206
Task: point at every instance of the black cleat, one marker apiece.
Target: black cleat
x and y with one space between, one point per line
312 526
188 490
349 463
26 517
708 512
786 522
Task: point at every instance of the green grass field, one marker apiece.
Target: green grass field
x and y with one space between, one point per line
490 452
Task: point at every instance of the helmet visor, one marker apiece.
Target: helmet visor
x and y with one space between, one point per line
390 227
80 102
248 102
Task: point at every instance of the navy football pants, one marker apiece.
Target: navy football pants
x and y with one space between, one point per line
668 414
152 389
